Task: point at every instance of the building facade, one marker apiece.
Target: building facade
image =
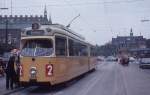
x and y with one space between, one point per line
11 26
148 43
129 42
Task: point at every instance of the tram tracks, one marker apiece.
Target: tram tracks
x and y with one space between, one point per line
98 79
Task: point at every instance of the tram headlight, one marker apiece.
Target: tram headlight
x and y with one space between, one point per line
33 71
49 70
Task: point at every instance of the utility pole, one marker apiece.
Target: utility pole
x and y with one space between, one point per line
11 7
6 31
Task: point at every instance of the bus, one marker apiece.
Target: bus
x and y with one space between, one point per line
53 54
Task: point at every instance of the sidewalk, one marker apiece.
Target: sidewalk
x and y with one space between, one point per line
3 90
2 86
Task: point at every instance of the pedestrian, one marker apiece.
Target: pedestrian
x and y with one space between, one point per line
17 69
1 68
10 73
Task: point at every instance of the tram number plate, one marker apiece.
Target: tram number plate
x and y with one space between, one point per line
49 69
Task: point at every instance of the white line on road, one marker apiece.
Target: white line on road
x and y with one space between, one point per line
120 85
125 83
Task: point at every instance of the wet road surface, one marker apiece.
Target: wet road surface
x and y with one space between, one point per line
109 78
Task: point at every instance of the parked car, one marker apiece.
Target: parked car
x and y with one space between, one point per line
144 62
111 58
145 59
137 61
100 58
132 59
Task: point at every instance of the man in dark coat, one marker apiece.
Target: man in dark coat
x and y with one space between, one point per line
17 70
10 73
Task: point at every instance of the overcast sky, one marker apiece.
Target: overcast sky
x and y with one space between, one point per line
99 20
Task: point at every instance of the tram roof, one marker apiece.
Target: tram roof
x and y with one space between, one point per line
58 28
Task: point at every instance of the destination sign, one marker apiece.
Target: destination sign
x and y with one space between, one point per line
35 33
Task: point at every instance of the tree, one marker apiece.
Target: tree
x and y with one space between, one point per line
106 50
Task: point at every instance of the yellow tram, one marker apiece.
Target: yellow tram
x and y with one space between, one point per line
53 54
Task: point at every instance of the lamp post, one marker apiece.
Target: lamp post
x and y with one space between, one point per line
6 31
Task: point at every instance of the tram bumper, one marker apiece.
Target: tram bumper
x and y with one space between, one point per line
34 83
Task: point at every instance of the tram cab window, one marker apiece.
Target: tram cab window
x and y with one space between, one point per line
61 46
37 47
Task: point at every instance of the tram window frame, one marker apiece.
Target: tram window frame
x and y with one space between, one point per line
28 44
70 47
59 49
92 51
76 48
84 50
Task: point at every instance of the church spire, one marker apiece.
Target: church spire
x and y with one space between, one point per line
131 32
45 12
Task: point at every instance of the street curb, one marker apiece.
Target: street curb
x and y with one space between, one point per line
13 91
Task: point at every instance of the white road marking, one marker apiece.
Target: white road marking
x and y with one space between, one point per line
120 85
125 83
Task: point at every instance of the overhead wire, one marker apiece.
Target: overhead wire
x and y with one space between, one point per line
83 4
107 16
105 3
81 17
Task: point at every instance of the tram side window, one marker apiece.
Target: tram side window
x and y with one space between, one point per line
61 45
83 50
77 49
71 48
92 51
74 48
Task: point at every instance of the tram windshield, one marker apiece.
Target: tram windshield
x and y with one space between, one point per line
37 47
